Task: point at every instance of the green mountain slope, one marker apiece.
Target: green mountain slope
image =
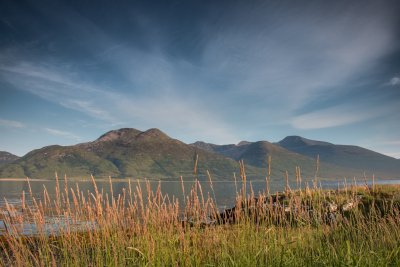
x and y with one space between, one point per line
44 162
6 157
123 153
344 156
282 160
151 154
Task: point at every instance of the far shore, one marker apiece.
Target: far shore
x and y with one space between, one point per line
22 179
393 181
75 179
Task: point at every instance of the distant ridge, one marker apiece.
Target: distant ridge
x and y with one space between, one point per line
298 141
128 152
125 152
257 153
346 156
292 151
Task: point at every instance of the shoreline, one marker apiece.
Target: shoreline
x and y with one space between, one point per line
22 179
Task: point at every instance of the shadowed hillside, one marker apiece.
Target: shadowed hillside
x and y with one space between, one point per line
344 156
282 160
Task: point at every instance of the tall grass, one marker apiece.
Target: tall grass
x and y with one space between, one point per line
144 227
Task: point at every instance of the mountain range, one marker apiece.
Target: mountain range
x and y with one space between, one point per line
129 152
122 153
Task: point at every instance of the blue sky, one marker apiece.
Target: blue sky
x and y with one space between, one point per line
217 71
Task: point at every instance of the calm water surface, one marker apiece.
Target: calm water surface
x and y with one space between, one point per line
224 191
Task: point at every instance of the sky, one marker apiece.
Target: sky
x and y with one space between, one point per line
216 71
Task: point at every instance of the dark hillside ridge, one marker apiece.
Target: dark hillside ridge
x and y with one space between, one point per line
298 141
282 160
344 155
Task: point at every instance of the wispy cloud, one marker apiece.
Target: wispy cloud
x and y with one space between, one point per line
90 108
337 116
390 142
64 134
167 110
394 81
11 124
303 58
252 67
58 86
325 119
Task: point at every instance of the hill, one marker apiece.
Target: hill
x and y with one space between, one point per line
344 156
6 157
123 153
282 160
129 152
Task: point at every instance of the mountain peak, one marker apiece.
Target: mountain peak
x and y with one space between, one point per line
130 134
295 140
152 133
118 134
199 143
243 143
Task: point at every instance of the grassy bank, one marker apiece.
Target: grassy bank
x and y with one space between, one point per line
355 226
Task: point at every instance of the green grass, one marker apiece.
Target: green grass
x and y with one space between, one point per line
134 230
